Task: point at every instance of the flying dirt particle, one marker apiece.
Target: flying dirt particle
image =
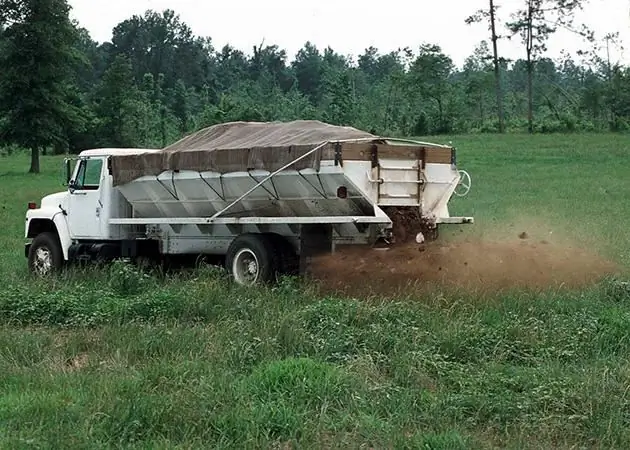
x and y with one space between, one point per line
471 264
523 235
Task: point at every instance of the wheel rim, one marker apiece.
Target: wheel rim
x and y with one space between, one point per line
42 263
245 267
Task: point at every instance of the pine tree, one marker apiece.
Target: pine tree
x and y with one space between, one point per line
118 106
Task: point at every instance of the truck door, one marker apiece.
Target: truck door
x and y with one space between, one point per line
85 204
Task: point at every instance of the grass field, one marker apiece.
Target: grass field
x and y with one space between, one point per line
116 358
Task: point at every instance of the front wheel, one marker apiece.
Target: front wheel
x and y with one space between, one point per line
251 260
45 256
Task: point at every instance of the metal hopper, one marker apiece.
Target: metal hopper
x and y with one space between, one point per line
301 172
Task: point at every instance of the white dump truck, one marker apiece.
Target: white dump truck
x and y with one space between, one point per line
265 196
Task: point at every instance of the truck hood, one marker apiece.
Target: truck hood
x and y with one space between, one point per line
54 200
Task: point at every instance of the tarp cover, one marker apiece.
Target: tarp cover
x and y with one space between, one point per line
239 146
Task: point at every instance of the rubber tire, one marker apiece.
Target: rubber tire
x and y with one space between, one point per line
51 242
262 247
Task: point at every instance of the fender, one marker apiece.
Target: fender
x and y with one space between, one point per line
49 219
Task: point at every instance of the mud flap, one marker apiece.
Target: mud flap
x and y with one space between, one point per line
314 240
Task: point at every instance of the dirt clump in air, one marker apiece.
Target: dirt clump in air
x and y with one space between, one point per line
408 222
473 264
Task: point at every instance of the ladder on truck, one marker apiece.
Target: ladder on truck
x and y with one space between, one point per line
398 182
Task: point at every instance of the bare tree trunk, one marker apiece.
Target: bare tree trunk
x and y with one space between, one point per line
441 114
388 104
530 95
163 125
612 119
497 70
34 160
530 69
481 115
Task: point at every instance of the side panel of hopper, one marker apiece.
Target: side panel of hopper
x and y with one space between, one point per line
304 193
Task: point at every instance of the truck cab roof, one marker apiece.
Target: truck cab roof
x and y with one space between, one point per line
116 151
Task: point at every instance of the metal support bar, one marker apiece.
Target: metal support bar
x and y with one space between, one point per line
413 141
275 196
328 220
286 166
210 186
401 168
165 188
260 183
322 193
338 157
382 181
372 180
398 196
455 220
374 155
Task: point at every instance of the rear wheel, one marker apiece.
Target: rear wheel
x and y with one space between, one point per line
45 256
251 260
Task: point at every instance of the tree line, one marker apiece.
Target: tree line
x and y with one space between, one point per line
62 92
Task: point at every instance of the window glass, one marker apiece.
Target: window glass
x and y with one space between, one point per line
78 182
89 175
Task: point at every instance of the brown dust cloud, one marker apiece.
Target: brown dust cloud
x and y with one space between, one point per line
475 264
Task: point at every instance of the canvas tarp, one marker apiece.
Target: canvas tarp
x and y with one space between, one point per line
239 146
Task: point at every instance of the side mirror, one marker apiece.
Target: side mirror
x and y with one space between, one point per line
68 164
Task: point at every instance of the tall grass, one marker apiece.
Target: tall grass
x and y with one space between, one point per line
115 357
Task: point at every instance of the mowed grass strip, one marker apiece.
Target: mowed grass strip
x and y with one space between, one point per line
118 358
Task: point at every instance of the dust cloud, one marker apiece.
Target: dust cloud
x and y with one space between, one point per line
475 264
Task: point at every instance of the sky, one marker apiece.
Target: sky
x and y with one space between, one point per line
350 26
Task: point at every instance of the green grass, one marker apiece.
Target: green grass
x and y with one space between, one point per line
574 185
115 358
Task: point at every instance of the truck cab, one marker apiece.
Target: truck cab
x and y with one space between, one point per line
75 222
